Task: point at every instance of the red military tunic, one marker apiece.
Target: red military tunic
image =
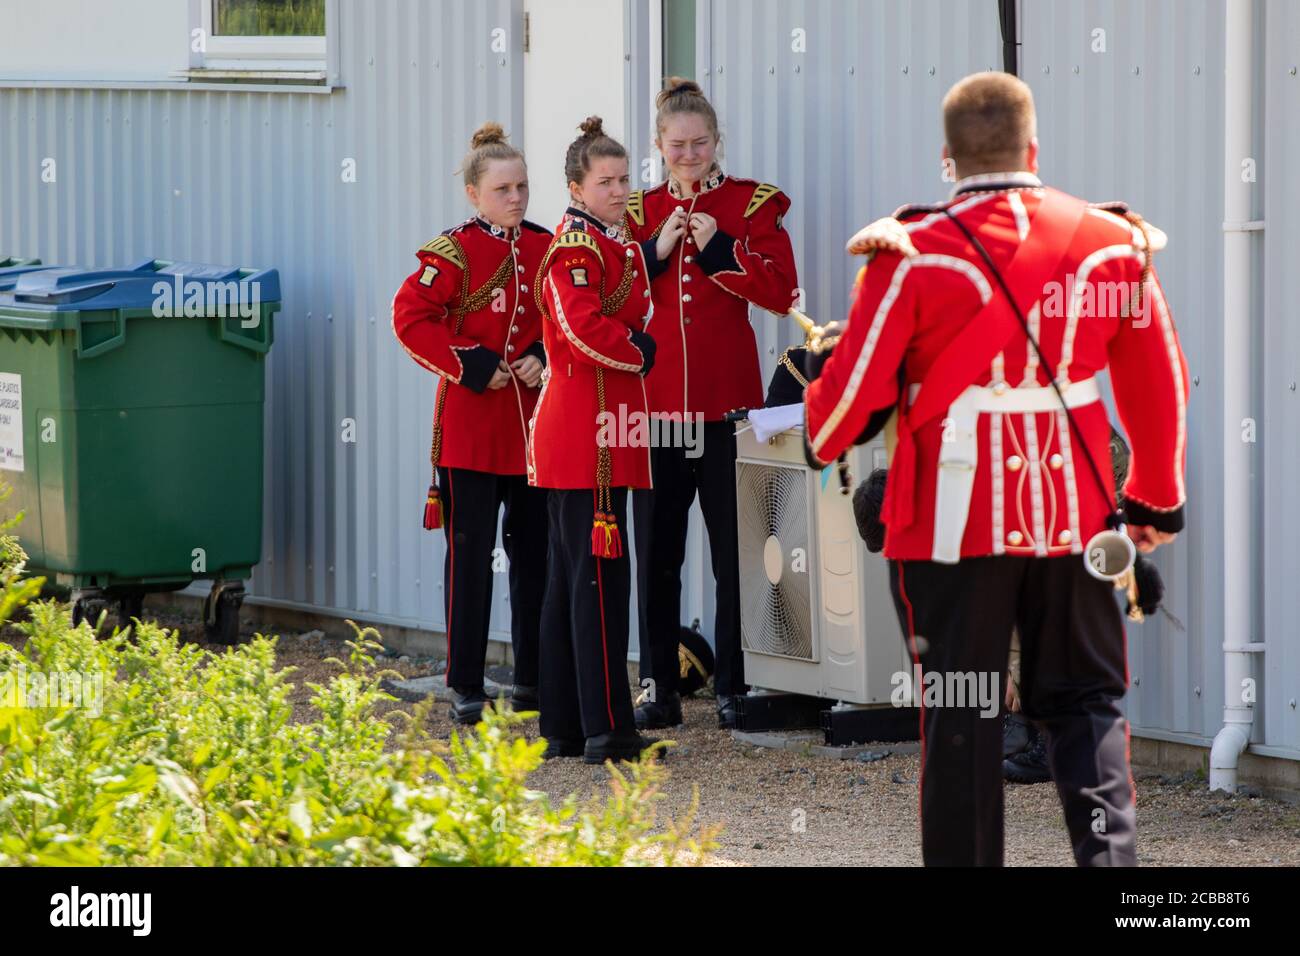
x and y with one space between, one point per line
469 305
597 304
707 359
1033 492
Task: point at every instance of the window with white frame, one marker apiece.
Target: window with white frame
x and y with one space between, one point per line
261 39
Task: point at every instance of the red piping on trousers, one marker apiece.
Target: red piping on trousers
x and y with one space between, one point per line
916 659
451 559
604 648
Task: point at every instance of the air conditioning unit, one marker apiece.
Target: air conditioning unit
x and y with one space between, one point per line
816 614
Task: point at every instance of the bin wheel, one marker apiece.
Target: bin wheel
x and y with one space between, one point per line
129 606
221 615
88 605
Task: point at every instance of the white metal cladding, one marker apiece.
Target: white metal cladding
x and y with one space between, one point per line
255 178
851 129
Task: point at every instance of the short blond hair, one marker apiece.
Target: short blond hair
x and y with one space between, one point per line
988 121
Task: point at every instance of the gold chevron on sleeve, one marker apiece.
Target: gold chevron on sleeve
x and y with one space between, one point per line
636 207
446 247
762 193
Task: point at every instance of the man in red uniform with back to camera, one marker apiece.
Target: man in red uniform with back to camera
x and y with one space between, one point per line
1001 485
716 246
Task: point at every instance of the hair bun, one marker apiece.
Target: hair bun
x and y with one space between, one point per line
592 127
487 134
677 86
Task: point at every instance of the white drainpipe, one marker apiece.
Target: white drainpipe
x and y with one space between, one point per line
1237 490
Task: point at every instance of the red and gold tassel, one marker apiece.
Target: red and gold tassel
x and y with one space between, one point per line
433 509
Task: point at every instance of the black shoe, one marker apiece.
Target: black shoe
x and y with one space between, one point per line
728 713
1029 766
1016 734
654 714
523 697
467 705
563 748
616 745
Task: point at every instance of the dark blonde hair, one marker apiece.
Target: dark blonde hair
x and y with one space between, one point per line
988 121
488 143
681 95
594 143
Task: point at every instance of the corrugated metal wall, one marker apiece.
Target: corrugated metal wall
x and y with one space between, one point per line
850 127
256 179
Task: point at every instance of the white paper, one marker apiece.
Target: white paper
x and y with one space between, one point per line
11 421
772 421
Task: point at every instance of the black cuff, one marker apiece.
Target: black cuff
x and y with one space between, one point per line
875 424
654 265
719 255
537 351
808 455
647 346
478 366
1170 522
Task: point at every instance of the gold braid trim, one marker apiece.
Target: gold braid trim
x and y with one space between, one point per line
609 304
789 366
451 250
1141 225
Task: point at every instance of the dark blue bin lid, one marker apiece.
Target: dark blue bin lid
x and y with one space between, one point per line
155 284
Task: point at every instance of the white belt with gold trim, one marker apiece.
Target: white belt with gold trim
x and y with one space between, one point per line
959 450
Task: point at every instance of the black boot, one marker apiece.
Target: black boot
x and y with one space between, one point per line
728 714
1016 733
467 704
654 714
616 745
1030 765
523 697
563 748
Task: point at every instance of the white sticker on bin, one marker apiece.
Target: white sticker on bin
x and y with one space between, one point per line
11 421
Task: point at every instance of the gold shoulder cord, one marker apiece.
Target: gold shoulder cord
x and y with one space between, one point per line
789 365
468 302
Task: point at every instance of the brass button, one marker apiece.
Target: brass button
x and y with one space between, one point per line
1056 461
1014 538
523 289
999 388
521 268
1014 463
686 278
689 259
514 328
686 297
510 348
1065 537
646 293
630 253
686 321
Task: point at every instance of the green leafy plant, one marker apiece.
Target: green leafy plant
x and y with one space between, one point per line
194 758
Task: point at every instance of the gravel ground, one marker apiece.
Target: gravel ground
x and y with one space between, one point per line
782 807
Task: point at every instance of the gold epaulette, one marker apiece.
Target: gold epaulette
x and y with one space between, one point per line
575 238
446 247
762 193
636 207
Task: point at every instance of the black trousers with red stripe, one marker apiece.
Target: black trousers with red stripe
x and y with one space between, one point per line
957 619
584 686
666 512
473 502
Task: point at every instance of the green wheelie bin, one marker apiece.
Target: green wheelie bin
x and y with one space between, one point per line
131 405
